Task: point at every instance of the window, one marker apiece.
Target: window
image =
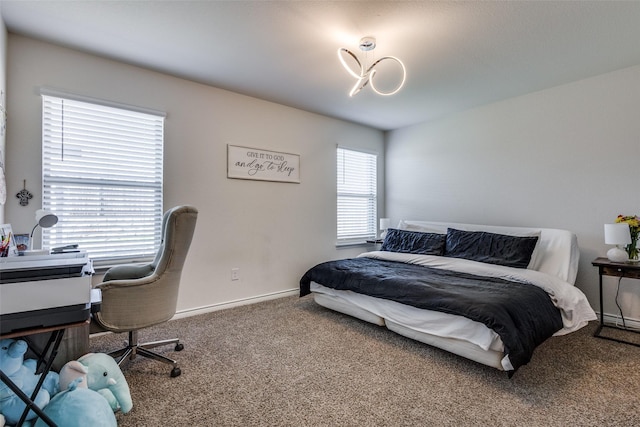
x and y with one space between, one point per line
357 196
102 177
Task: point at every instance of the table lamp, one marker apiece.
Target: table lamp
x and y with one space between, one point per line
44 219
617 234
385 223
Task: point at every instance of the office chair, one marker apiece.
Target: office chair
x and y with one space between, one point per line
139 296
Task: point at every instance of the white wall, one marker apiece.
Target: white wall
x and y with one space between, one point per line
272 232
567 157
3 89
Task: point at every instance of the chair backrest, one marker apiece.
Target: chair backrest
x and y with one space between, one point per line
146 301
178 225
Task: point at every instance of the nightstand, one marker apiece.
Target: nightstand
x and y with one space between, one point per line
616 269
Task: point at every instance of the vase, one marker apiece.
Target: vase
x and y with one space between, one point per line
632 250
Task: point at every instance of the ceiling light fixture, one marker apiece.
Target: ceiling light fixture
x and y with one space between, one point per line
365 75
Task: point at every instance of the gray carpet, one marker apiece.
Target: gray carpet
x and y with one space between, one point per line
290 362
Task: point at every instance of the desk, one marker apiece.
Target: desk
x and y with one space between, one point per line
616 269
45 360
43 294
43 291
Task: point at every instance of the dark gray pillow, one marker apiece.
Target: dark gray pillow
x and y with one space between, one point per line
490 248
413 242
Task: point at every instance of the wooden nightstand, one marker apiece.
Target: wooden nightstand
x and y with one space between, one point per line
616 269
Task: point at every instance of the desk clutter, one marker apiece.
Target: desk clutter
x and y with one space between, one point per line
87 391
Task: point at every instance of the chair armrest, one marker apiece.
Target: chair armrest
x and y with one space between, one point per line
123 284
133 304
128 272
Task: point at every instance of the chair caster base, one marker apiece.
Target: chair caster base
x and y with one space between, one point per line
179 347
175 372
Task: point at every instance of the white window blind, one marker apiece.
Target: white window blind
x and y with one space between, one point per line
357 196
102 177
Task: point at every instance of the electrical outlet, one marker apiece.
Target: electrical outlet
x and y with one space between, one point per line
235 274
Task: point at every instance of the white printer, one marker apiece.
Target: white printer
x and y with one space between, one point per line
44 290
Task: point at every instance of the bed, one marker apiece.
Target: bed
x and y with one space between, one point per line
487 293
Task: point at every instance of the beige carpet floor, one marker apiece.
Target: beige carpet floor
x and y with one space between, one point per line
290 362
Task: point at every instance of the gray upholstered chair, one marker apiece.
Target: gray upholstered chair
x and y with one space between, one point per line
138 296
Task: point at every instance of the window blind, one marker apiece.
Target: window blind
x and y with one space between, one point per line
102 176
357 196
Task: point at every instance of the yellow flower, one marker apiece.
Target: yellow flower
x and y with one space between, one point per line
632 220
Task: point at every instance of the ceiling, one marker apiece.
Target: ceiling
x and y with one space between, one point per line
458 54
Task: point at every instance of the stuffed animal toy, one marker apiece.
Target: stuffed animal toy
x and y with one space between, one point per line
79 407
23 374
71 371
105 377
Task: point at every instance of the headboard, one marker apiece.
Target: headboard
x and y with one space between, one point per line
557 252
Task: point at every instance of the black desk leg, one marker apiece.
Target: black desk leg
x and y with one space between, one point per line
27 401
52 346
42 354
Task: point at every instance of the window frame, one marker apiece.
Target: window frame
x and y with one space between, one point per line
107 211
357 235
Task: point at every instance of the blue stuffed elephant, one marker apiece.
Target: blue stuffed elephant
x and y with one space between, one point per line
23 374
105 377
78 406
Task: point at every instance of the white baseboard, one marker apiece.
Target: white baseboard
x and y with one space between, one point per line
609 318
236 303
224 305
616 319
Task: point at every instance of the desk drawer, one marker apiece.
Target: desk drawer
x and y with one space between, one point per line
621 272
43 294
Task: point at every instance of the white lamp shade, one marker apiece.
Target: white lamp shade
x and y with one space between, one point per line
385 223
617 234
46 219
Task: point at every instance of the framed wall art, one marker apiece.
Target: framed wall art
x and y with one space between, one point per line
262 165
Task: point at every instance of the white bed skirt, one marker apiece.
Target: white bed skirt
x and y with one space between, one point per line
455 334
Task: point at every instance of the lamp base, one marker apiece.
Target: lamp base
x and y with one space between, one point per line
617 255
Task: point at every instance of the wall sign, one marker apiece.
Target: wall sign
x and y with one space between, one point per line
262 165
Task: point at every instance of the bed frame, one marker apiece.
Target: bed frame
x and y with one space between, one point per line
557 254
